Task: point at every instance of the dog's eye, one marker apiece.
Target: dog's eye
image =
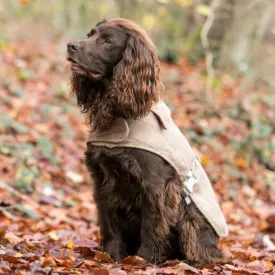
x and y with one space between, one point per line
91 33
108 41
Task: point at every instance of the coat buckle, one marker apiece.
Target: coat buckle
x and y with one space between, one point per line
190 181
188 185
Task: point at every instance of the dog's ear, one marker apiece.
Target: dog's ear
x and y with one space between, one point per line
103 21
135 84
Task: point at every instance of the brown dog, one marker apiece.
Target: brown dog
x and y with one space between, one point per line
139 194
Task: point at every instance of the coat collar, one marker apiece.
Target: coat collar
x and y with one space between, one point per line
163 114
119 128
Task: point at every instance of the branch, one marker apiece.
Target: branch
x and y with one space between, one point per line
208 53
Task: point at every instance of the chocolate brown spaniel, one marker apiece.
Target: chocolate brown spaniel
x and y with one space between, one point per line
141 204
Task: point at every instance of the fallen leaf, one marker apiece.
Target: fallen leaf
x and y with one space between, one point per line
92 263
49 261
204 161
241 163
68 262
12 238
261 266
182 267
104 257
13 260
53 236
268 243
75 177
3 231
99 271
134 260
85 247
70 245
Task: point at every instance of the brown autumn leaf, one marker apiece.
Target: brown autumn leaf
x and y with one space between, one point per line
183 267
261 266
12 238
49 261
85 247
134 260
53 236
239 252
85 243
241 163
169 263
241 270
92 263
104 257
271 222
68 262
4 267
99 271
204 161
12 259
118 271
3 231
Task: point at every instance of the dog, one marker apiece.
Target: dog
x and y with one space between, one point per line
143 206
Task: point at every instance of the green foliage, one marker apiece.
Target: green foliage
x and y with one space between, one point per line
29 212
167 22
25 74
25 177
46 149
62 90
203 9
18 92
8 123
4 149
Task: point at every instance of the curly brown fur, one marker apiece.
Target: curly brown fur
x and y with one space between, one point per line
131 89
141 207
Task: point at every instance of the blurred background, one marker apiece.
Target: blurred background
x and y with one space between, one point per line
239 34
217 66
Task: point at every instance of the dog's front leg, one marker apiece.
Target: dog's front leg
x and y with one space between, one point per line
154 226
111 240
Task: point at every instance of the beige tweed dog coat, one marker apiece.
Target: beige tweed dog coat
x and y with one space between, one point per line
158 134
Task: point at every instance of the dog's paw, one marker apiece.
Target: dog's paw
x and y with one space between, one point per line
193 263
147 252
113 249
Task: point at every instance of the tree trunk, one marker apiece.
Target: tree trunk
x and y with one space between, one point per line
241 31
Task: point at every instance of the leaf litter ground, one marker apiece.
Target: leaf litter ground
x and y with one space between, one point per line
48 220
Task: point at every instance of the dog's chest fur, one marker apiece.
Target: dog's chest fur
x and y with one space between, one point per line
127 182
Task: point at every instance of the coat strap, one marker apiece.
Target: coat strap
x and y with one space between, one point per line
191 178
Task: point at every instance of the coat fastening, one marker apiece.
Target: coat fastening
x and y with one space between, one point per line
158 134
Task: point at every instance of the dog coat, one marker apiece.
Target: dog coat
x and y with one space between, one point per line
158 134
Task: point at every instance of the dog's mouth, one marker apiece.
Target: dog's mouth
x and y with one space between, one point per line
81 69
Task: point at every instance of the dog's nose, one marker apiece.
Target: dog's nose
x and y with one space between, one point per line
72 46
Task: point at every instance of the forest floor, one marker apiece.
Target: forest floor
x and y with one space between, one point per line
48 220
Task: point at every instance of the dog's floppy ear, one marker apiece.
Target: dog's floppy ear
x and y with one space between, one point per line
103 21
135 84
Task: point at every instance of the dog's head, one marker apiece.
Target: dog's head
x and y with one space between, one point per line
117 64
